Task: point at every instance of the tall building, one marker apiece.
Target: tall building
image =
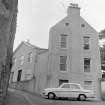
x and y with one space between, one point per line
74 54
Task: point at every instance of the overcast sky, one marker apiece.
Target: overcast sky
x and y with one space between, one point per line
35 17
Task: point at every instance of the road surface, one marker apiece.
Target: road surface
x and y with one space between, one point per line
34 99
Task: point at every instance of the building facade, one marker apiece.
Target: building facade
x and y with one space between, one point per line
42 72
24 74
74 54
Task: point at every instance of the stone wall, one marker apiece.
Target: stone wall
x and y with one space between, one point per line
23 85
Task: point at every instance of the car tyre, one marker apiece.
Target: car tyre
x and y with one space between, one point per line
82 97
51 96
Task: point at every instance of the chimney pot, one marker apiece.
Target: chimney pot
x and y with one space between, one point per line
74 5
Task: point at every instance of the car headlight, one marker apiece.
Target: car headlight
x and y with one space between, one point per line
44 92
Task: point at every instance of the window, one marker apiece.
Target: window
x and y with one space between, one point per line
28 74
82 25
66 86
67 24
19 75
30 57
74 86
63 63
86 42
63 42
22 60
63 81
88 84
86 64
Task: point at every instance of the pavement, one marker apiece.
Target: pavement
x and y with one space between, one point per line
17 97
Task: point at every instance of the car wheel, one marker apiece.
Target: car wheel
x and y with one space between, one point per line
51 95
82 97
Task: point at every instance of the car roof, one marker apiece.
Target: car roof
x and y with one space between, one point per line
70 83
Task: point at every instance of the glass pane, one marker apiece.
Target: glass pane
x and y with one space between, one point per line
66 86
74 86
86 40
86 46
63 67
86 61
63 41
30 57
63 44
63 59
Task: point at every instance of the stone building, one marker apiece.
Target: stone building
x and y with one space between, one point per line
24 74
74 54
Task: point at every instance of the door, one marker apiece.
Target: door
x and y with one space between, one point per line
63 90
75 90
19 75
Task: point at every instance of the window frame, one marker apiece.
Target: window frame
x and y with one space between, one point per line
63 42
62 63
89 84
22 60
75 86
86 42
30 57
63 86
87 66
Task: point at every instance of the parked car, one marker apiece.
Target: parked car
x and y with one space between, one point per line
68 90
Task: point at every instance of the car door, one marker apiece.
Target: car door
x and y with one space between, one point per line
74 90
63 90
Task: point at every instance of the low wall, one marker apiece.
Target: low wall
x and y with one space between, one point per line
28 85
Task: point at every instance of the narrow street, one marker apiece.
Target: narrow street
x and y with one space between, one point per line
15 98
24 98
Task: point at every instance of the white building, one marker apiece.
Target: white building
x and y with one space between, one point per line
74 54
24 73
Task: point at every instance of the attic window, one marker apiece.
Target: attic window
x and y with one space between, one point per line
66 24
83 25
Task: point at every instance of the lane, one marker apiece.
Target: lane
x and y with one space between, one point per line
35 99
15 99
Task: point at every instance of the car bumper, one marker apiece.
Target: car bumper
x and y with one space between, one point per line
43 94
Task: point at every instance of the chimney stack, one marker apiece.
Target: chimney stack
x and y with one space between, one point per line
73 9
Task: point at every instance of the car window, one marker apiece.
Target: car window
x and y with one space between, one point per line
74 86
65 86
